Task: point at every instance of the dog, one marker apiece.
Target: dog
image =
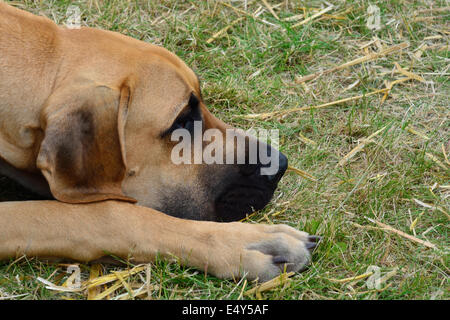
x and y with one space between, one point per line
85 121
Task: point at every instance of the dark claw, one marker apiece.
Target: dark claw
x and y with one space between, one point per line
279 260
314 238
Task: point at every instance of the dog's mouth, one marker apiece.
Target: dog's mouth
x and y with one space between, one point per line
252 193
224 193
237 201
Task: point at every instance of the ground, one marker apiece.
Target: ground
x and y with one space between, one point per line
382 208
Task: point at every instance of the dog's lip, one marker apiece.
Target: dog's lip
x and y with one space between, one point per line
240 199
248 187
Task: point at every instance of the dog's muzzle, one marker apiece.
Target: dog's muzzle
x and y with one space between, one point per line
252 190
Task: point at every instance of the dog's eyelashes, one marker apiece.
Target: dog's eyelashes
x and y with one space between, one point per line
183 122
186 120
187 124
179 125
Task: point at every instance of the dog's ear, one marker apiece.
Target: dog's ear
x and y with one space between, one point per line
82 155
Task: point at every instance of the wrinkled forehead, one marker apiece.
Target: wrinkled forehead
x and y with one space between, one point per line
162 90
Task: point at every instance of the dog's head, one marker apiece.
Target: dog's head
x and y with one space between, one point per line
136 138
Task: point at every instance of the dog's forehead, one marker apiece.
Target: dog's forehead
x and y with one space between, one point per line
160 93
163 60
165 84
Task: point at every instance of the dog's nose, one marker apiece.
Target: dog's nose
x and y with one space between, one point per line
271 171
282 167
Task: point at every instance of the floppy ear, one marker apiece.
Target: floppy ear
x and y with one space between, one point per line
82 155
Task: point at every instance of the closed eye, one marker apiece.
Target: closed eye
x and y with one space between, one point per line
185 122
186 119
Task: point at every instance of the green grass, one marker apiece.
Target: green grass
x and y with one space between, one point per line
252 69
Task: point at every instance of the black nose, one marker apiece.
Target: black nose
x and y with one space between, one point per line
279 172
271 171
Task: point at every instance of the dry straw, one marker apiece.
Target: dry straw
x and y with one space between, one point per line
222 31
302 173
268 115
403 234
240 11
314 16
351 279
271 284
359 147
94 272
412 130
269 7
445 154
366 58
432 207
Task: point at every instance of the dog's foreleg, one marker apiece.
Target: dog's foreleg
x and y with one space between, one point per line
87 232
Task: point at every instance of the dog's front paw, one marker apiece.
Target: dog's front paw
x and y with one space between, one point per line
264 251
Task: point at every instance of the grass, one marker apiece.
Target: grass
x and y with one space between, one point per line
254 68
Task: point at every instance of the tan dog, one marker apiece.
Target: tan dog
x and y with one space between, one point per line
85 118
